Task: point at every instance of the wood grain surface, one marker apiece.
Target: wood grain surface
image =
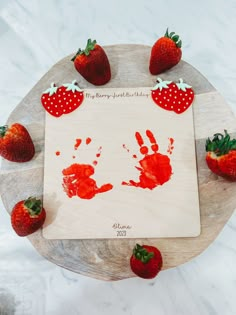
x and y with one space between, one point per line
109 259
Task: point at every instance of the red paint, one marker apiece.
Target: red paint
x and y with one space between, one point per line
77 143
88 140
77 182
152 139
128 150
77 179
139 139
98 155
150 136
170 147
155 169
154 147
125 147
57 153
144 150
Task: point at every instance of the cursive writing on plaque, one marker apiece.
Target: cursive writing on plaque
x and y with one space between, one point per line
121 229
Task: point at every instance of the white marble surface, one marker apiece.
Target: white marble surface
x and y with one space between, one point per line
36 34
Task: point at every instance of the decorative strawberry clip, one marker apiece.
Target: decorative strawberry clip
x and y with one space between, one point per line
62 100
173 96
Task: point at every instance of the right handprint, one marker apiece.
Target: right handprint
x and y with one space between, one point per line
155 168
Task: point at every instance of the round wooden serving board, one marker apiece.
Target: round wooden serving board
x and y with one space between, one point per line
109 259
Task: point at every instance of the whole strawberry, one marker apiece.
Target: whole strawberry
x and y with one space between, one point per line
221 155
165 53
27 216
146 261
16 144
92 63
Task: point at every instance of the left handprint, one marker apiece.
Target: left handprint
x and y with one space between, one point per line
77 179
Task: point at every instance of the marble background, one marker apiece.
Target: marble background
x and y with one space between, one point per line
36 34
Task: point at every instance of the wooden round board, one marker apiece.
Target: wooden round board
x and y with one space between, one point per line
108 259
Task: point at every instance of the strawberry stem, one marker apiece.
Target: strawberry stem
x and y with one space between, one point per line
3 130
33 205
142 254
90 46
220 144
176 39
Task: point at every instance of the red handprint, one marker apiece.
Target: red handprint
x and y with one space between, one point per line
77 179
155 168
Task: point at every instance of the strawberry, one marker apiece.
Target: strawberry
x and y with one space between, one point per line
27 216
221 155
172 96
146 261
92 63
62 100
16 144
165 53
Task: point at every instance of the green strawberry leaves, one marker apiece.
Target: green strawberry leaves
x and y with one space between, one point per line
174 37
3 130
220 144
89 47
33 205
142 254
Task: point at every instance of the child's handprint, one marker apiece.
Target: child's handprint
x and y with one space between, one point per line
155 168
77 179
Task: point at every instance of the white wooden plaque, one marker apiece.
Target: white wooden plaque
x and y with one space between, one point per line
101 136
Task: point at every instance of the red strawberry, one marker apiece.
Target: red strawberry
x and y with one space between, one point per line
27 216
16 144
62 100
146 261
172 96
92 63
166 53
221 155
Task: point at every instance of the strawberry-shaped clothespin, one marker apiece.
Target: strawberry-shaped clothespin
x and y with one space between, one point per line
62 100
173 96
